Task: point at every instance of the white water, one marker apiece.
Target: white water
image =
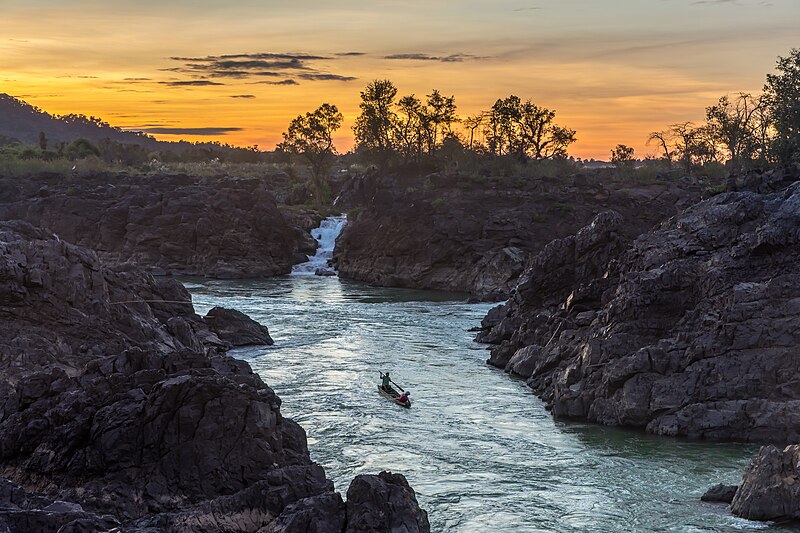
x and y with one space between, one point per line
325 235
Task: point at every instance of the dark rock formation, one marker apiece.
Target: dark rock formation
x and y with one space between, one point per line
690 331
236 328
457 233
118 406
216 227
384 504
720 493
770 489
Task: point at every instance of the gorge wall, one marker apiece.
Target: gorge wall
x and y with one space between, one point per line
474 235
217 227
691 330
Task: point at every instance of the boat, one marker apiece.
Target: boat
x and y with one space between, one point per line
393 395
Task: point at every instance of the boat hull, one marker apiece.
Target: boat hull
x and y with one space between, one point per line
393 395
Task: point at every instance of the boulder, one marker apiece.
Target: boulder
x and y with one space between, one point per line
384 504
236 328
770 489
720 493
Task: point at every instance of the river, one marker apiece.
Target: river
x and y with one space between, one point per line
480 450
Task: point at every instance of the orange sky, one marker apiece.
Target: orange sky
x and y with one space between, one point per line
613 70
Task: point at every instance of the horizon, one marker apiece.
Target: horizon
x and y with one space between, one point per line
238 74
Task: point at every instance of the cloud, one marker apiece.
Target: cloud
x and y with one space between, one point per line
527 9
136 79
350 54
282 82
260 55
264 64
190 83
452 58
189 131
245 96
326 77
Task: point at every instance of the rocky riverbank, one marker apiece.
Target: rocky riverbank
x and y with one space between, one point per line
474 235
221 227
690 331
119 409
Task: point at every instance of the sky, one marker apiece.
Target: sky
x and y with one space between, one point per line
239 71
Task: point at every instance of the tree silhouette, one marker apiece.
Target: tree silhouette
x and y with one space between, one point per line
310 136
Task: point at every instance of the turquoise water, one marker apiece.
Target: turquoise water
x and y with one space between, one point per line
479 449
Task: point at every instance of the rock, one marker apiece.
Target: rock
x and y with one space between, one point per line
720 493
119 408
237 328
458 233
690 330
384 504
770 489
216 227
324 272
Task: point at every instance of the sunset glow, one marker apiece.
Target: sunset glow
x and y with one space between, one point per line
614 70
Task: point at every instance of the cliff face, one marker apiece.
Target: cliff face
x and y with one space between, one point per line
690 331
461 234
120 409
216 227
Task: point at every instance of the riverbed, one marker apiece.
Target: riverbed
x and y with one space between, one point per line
478 447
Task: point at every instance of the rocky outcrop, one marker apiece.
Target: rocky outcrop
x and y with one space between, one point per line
384 504
217 227
120 408
462 233
720 493
690 331
236 328
770 489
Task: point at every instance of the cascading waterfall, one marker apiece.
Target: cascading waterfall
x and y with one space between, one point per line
325 235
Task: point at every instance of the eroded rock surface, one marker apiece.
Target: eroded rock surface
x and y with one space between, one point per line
689 331
461 233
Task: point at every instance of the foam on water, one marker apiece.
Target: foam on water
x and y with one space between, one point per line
325 235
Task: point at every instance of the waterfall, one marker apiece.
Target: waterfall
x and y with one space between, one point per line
325 235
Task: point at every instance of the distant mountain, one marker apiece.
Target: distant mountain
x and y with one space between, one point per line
22 121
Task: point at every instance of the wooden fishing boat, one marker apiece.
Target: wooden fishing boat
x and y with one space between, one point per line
394 396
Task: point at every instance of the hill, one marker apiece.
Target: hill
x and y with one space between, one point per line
23 121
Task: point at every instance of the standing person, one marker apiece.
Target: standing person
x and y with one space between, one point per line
385 382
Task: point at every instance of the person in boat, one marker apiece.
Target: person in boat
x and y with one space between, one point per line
386 382
403 398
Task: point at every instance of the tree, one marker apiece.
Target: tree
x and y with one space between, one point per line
408 127
782 94
664 140
733 125
441 114
374 126
525 129
310 136
472 123
81 148
622 156
42 141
